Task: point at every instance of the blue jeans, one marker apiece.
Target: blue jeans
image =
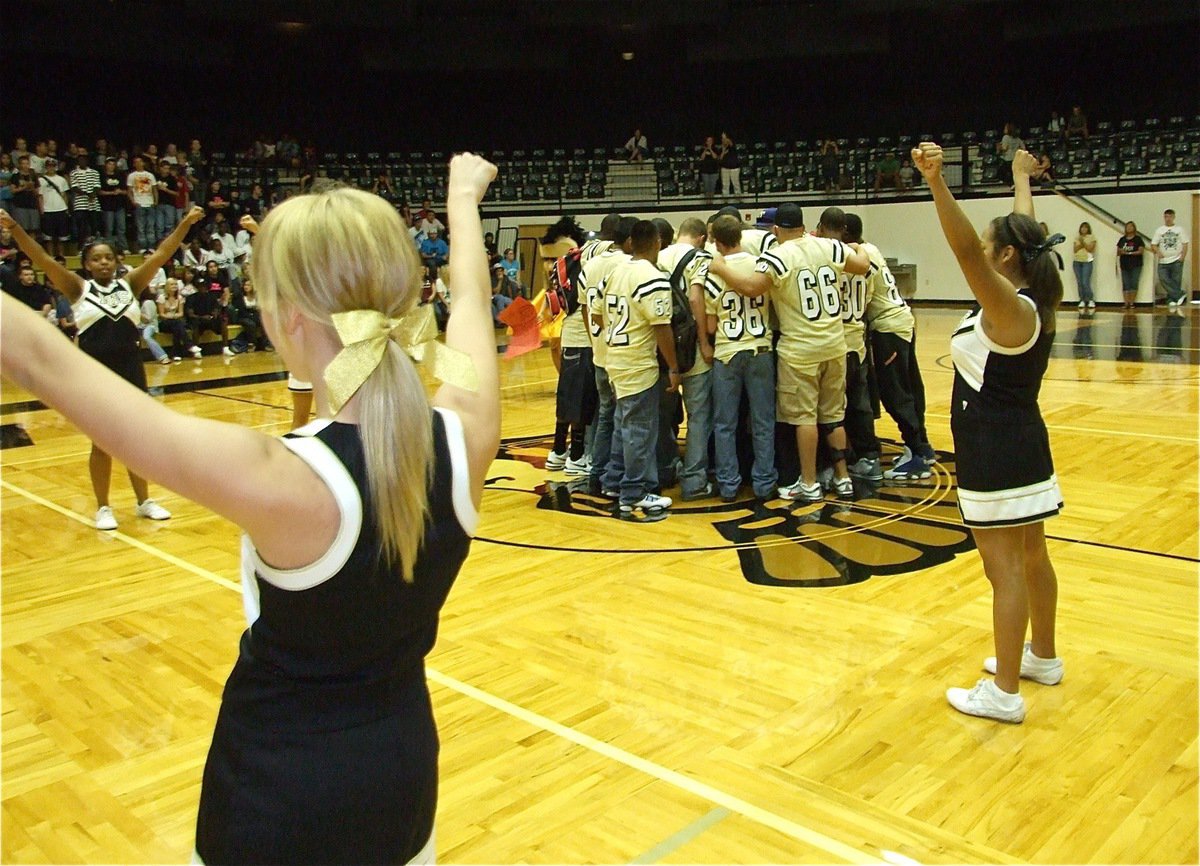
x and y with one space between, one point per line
1083 279
165 220
144 219
113 222
602 439
632 466
156 351
756 374
698 403
1171 277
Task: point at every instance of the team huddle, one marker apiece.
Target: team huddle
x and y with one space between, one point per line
754 326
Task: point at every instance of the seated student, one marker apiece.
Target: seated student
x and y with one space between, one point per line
245 313
204 312
435 252
501 299
887 170
637 321
743 361
149 325
171 320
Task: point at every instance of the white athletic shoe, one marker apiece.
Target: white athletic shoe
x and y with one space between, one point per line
1048 672
153 510
228 352
650 502
196 351
802 492
844 487
987 701
582 466
105 518
555 461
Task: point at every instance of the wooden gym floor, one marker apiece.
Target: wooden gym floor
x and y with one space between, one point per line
730 685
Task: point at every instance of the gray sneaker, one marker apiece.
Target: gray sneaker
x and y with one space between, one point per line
868 469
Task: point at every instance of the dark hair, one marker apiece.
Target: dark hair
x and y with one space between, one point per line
26 267
1037 262
727 231
644 235
608 226
624 230
87 250
1170 211
564 228
666 232
854 228
833 218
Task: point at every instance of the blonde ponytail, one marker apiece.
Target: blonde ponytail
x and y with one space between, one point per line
345 249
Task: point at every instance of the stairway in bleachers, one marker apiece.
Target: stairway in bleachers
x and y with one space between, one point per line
631 182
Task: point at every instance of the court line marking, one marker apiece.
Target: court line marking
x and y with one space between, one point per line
1101 430
527 384
698 789
120 536
678 839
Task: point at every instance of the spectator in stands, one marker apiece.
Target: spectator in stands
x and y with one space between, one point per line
887 170
196 256
149 325
500 299
709 164
64 315
1056 128
37 160
204 312
245 313
85 199
113 195
196 155
171 155
183 190
255 204
829 163
906 174
7 170
214 279
383 187
1007 148
216 201
9 251
123 161
143 194
171 320
1170 246
731 167
428 219
434 251
224 257
1130 251
30 292
54 191
1045 169
636 147
489 245
1077 124
188 283
1084 264
25 197
164 208
19 150
512 266
9 280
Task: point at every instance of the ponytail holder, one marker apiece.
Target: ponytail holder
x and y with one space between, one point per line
364 335
1030 253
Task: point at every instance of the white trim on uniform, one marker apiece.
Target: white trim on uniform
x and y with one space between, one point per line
326 464
460 471
1010 350
295 384
1012 507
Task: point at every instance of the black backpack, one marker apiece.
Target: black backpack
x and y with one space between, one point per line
683 321
563 283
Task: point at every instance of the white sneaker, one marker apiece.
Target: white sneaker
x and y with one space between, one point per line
1083 305
844 487
164 360
1091 305
903 457
649 502
582 466
105 518
153 510
802 492
228 352
556 461
196 351
987 701
1048 672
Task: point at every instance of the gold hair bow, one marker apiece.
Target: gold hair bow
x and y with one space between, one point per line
364 335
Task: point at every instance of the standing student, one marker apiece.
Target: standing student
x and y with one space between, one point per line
1170 246
1084 263
1130 252
113 196
731 167
325 747
143 195
1007 486
107 316
743 361
637 321
53 197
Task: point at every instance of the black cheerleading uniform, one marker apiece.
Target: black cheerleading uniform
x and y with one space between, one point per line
1002 450
325 748
107 318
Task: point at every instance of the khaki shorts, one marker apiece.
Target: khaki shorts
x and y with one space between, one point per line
811 393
